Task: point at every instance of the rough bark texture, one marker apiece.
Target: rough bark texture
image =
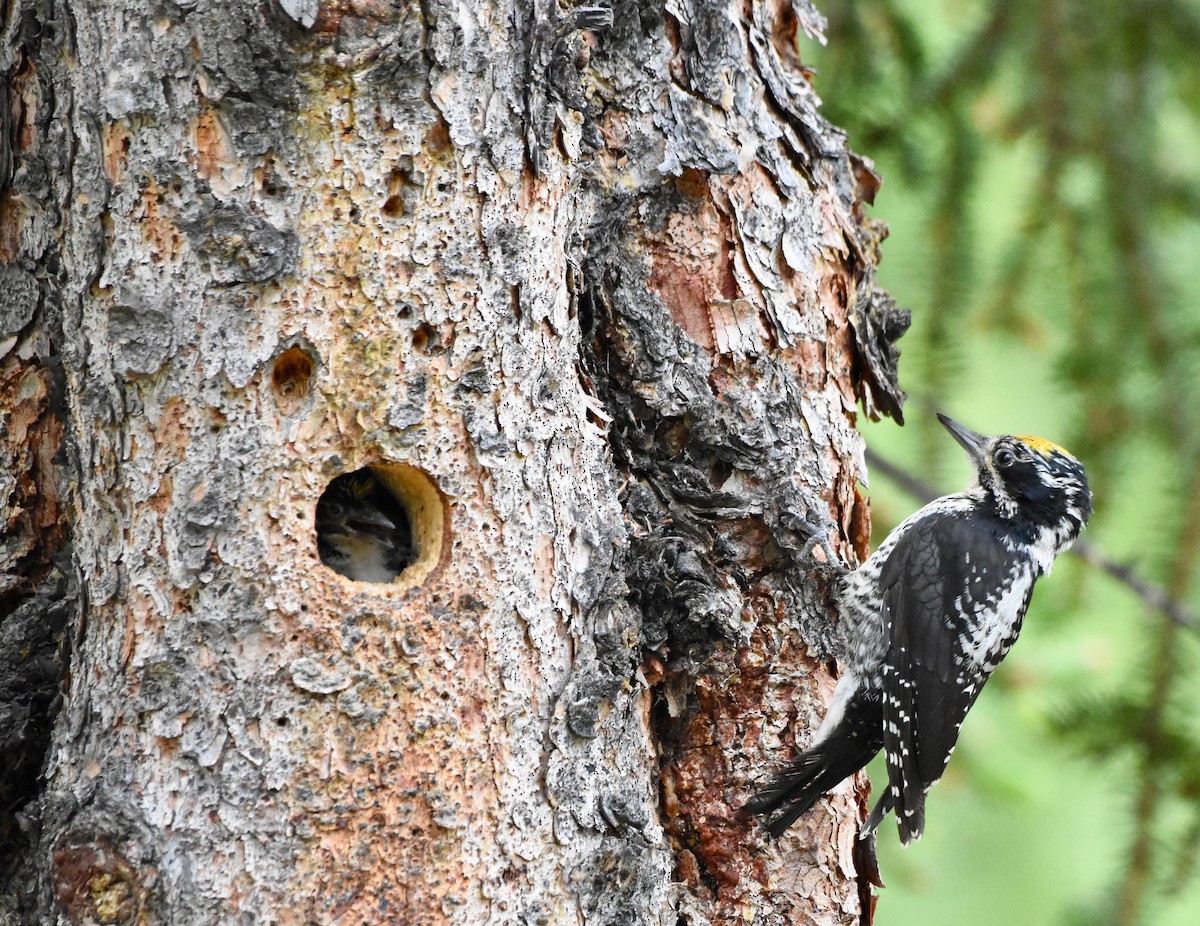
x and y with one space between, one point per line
602 297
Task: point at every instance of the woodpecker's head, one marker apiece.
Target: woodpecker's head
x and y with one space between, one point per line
1028 479
363 531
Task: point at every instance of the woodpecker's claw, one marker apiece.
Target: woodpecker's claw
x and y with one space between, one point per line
820 537
865 858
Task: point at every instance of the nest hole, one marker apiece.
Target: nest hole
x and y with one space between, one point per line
383 523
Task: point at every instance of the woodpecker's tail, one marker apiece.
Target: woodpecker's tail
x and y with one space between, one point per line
849 746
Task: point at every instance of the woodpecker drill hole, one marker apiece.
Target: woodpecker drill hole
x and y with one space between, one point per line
393 207
423 338
382 523
291 376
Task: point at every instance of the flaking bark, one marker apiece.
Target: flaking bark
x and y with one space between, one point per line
609 287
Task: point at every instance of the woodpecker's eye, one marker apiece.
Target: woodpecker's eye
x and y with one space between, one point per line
1005 457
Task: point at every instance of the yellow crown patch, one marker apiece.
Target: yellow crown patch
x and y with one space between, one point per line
1041 445
361 485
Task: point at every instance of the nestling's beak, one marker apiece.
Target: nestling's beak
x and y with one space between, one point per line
974 444
371 522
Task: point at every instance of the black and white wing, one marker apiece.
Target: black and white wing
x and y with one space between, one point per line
954 594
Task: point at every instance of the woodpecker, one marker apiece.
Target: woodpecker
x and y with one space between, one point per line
927 618
363 530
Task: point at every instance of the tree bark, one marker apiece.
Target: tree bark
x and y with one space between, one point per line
595 297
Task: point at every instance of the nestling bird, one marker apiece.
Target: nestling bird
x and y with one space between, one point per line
363 530
927 618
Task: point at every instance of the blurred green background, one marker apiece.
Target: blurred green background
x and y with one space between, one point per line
1041 165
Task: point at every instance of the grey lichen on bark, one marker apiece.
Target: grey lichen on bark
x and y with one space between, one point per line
609 287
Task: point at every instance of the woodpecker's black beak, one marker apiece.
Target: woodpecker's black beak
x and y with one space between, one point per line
974 444
371 522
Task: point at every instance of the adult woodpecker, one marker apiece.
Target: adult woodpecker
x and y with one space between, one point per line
363 531
927 618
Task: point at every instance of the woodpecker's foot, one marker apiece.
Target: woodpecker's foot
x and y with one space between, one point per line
820 537
865 859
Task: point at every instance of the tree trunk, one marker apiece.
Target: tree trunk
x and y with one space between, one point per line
594 298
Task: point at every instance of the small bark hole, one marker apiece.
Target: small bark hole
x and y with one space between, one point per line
719 473
291 377
393 207
422 338
382 523
403 190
